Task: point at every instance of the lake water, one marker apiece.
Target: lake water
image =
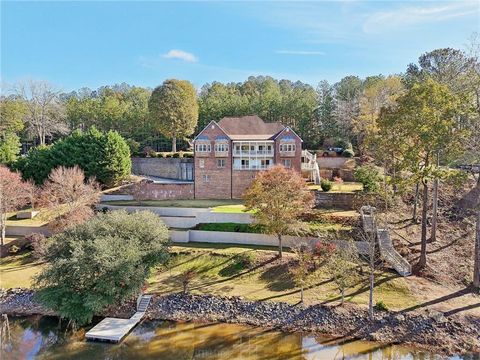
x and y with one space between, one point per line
41 338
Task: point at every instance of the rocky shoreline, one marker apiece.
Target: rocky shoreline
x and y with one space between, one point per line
429 330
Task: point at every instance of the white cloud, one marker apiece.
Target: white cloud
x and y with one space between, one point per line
404 16
181 55
299 52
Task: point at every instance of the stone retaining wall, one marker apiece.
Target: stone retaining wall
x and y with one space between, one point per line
345 201
170 168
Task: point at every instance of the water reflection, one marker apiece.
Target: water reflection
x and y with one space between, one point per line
43 338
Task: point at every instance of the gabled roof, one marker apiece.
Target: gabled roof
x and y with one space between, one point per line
249 127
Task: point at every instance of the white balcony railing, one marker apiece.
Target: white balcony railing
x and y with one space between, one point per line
251 167
253 153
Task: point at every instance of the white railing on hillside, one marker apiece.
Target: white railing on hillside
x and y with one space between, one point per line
385 245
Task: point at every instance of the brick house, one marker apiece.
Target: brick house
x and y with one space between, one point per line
229 154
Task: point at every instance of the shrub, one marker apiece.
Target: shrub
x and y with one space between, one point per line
230 227
369 177
38 242
120 249
348 153
188 155
133 145
14 249
152 154
380 305
344 144
326 185
176 155
105 156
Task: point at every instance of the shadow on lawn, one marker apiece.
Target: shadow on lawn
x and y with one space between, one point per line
453 295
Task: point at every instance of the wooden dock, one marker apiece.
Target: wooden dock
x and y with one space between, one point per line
114 329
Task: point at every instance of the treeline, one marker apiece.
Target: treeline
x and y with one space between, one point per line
347 111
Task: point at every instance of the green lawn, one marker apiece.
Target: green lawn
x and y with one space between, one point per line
18 270
43 218
221 271
314 227
346 187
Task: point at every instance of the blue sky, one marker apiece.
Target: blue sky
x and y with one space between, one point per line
75 43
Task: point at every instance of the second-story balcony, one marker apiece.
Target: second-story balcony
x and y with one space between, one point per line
253 153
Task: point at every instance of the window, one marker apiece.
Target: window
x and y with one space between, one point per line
206 178
221 147
245 164
264 163
287 163
220 163
287 147
201 163
202 147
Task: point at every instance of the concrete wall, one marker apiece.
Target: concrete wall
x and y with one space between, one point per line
220 237
186 217
26 230
179 236
106 197
145 190
170 168
326 162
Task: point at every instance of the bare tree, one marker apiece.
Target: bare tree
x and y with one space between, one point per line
46 114
343 268
67 193
14 193
301 270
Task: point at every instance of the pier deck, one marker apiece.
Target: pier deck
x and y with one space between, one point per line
114 329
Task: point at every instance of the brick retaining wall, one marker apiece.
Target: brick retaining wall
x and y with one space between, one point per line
160 191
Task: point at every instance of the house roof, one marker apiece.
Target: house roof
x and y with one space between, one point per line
249 127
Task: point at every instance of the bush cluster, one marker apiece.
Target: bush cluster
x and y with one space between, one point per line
105 156
326 185
370 178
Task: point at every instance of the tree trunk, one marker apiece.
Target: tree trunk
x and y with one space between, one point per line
370 296
174 144
280 250
433 235
422 262
415 202
3 226
476 267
